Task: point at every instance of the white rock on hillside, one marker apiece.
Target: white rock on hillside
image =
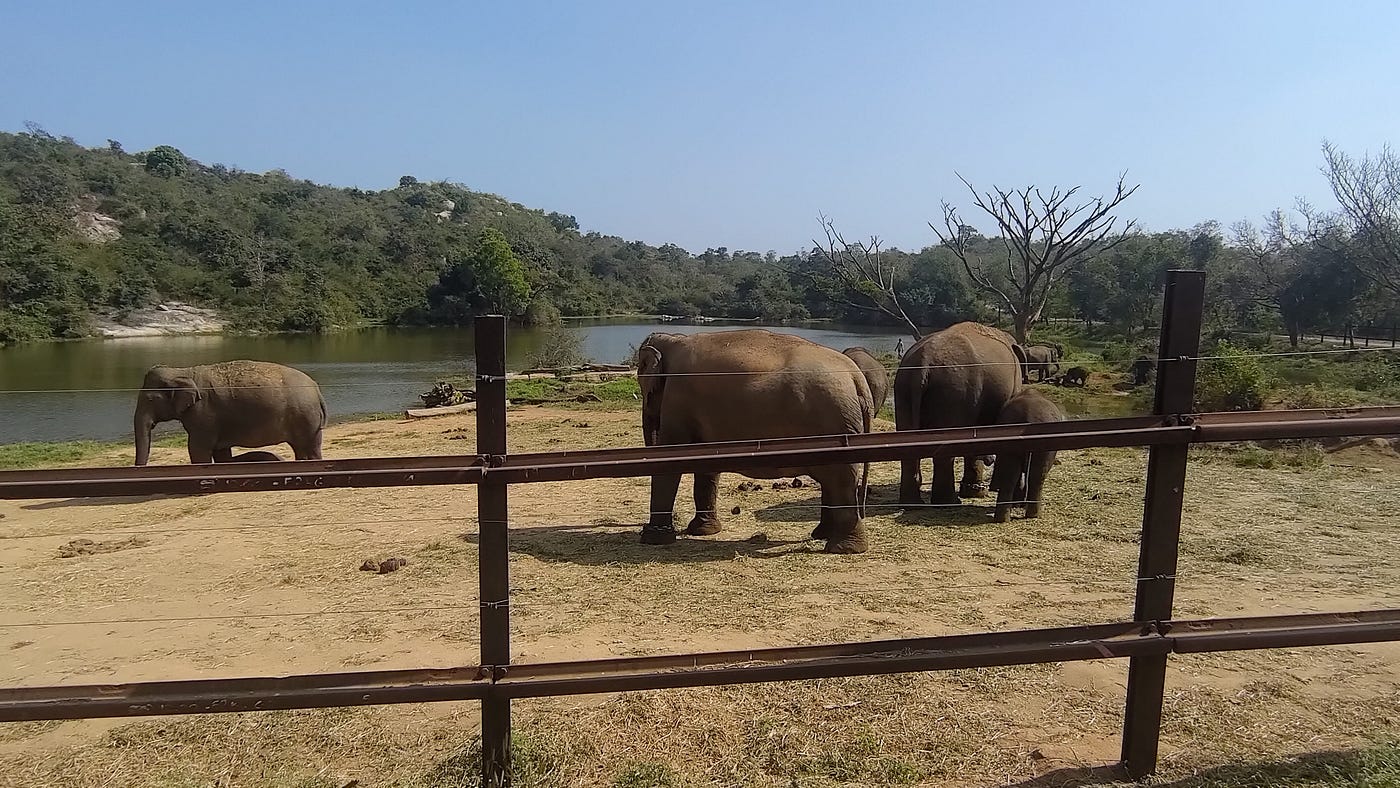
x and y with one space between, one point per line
92 226
171 317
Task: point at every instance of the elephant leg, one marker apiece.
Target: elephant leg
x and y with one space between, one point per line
823 529
706 520
845 530
972 486
202 453
661 527
945 490
910 482
1035 482
223 455
1003 510
308 449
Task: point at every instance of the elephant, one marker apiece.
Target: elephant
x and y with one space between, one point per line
248 404
1141 369
1074 376
256 456
1019 478
961 376
876 376
753 384
1044 360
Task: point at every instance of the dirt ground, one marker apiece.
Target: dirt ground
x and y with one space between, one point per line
171 587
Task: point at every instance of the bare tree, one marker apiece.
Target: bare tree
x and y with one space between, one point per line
1043 238
1368 192
865 280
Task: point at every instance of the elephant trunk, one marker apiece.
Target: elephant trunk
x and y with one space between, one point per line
142 424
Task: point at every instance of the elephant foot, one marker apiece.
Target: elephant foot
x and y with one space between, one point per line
971 491
822 531
855 543
658 534
704 526
1032 511
946 499
1002 515
910 496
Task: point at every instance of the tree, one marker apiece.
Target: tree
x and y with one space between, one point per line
857 276
1043 237
166 162
1305 278
491 279
1368 192
407 181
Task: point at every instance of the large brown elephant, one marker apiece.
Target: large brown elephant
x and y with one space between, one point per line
876 376
246 404
1019 478
752 384
959 377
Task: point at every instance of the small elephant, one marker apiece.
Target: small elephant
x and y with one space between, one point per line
247 404
1074 376
958 377
1044 360
876 376
255 456
753 384
1019 478
1141 369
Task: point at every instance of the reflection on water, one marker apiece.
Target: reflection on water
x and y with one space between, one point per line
367 371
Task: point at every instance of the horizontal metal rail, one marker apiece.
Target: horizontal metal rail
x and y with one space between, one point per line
711 457
1066 644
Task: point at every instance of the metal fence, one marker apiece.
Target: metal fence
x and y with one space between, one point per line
1146 640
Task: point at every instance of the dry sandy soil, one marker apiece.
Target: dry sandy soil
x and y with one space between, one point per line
269 583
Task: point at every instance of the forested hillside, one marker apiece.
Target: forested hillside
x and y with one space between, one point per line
86 231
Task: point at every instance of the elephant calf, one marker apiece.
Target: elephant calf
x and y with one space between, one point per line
1019 478
247 404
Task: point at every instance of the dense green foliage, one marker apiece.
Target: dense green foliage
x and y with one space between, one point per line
85 231
281 254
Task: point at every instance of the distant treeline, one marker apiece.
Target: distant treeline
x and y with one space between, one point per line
89 230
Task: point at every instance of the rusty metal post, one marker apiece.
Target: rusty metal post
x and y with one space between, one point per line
493 559
1183 303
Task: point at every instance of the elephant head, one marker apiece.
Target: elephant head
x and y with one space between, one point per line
167 393
651 378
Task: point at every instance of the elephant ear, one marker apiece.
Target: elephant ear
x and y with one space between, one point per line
1020 353
185 393
651 379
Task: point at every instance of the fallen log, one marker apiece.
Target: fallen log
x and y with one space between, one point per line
446 410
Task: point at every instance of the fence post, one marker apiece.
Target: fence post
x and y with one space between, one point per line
493 559
1180 342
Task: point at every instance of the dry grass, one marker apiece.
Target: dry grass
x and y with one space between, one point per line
1256 540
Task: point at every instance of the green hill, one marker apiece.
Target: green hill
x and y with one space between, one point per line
87 231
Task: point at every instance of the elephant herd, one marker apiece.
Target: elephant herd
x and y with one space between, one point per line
740 385
755 384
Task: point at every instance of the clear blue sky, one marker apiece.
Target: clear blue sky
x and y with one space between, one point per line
731 123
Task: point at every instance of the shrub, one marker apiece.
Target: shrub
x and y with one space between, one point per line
1233 380
559 347
1313 396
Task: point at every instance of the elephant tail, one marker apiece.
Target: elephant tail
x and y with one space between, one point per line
868 408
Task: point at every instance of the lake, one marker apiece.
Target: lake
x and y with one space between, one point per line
59 391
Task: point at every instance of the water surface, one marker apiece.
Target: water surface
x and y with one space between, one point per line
86 389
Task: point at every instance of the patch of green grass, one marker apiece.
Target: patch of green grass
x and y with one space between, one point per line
19 456
619 391
16 456
647 774
1252 455
1374 767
